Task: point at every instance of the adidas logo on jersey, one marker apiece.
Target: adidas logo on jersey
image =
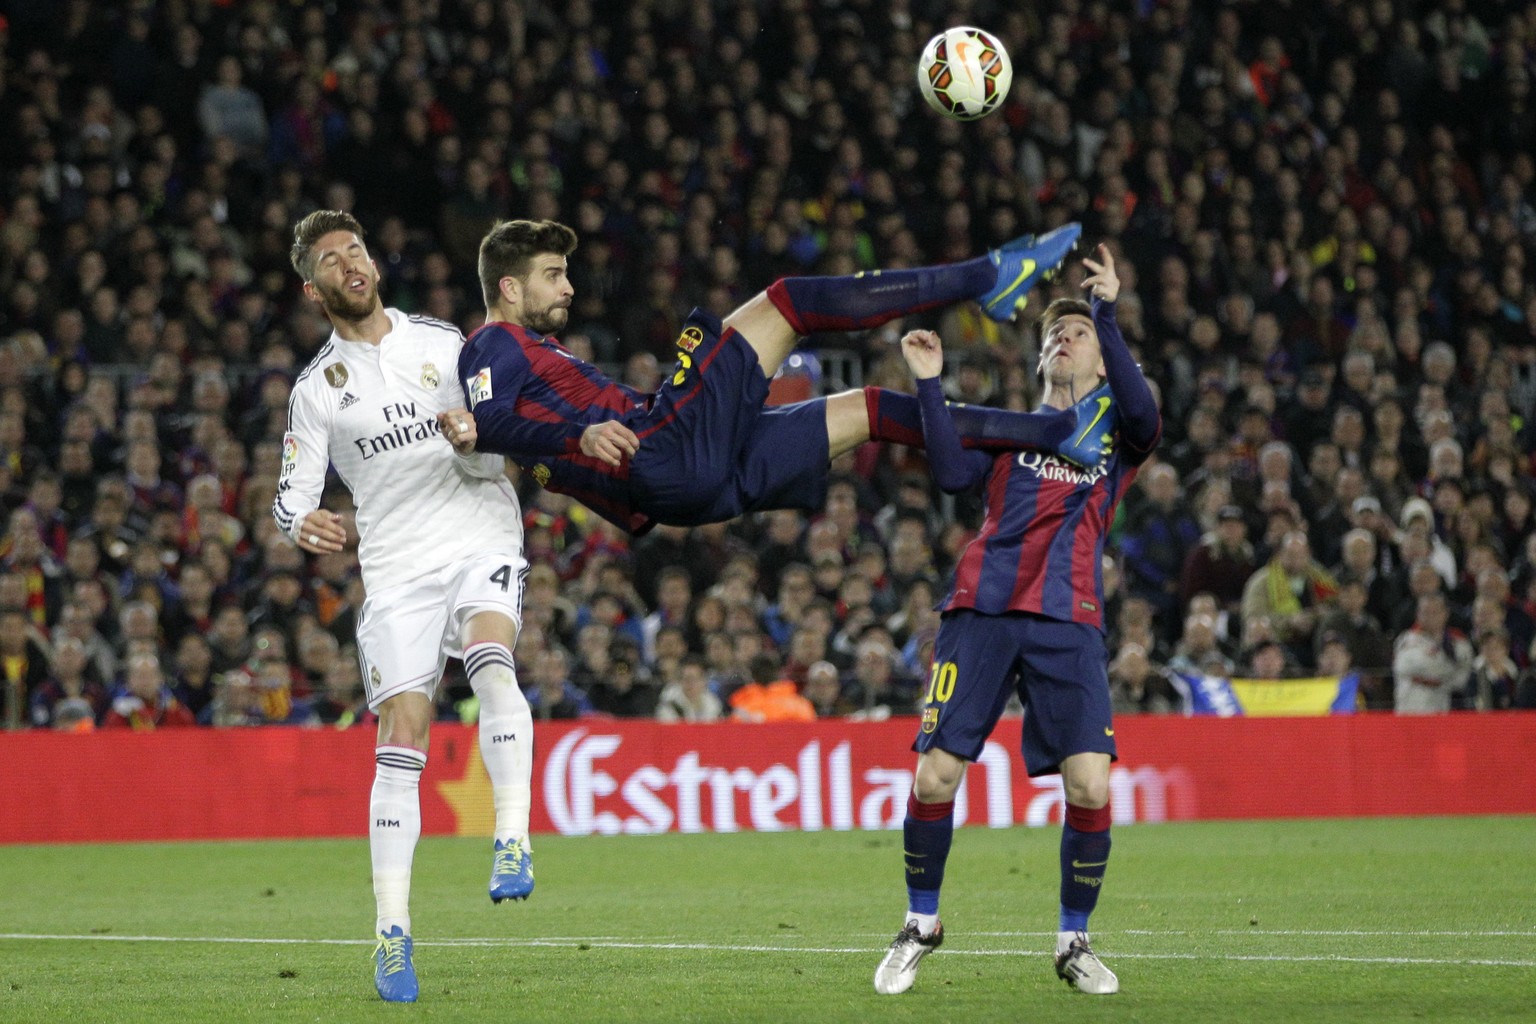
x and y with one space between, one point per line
348 399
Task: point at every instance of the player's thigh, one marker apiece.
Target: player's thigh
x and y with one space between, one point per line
762 326
974 665
400 638
1064 684
492 582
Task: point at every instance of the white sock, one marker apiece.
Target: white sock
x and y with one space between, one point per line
394 825
506 736
926 923
1064 940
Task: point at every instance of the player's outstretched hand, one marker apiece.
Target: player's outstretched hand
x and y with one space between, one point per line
1104 283
322 532
924 352
458 426
610 441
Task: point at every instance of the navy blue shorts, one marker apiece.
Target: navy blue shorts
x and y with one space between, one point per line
1059 669
710 450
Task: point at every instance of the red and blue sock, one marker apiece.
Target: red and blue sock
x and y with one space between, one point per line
1084 855
898 418
860 301
928 831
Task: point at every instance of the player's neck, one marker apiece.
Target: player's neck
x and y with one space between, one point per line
500 314
1068 394
370 328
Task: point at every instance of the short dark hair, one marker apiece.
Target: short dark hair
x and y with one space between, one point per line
310 230
507 249
1062 308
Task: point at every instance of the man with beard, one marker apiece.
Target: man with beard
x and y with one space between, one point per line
702 448
441 550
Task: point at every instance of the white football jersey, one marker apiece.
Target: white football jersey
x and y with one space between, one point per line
371 411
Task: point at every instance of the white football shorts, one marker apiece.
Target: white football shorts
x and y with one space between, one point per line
406 633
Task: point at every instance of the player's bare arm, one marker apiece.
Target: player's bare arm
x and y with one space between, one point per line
610 442
1103 282
322 532
458 426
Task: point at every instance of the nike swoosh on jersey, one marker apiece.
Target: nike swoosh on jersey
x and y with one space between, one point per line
1103 406
1089 864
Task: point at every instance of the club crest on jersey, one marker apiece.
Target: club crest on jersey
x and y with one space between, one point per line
541 474
373 677
290 453
336 376
479 387
930 719
429 377
690 339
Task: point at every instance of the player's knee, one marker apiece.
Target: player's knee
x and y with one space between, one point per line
405 721
938 777
1091 791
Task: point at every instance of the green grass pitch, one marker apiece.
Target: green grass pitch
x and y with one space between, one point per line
1425 920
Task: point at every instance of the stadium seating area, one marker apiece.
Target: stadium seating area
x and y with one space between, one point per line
1326 215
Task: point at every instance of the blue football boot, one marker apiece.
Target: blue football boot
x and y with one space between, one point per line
1093 434
512 871
393 973
1023 262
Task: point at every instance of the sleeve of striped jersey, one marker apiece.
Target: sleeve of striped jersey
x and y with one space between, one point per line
954 468
1141 425
306 456
502 428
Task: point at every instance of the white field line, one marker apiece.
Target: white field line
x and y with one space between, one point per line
609 943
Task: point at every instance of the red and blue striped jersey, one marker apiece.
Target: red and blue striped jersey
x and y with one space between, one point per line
532 399
1041 544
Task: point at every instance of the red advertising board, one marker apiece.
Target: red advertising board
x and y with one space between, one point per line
607 777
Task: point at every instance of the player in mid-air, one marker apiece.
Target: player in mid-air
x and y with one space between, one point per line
1025 613
441 550
703 448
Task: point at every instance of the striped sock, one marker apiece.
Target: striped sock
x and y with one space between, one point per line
394 825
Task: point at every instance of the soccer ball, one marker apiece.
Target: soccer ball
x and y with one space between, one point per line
964 73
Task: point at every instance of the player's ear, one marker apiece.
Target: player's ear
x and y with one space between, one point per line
511 289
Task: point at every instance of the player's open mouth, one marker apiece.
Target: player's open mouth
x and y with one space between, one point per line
357 284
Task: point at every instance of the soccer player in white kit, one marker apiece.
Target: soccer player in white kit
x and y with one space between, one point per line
441 550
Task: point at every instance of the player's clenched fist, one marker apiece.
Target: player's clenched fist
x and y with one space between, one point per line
924 352
610 442
458 426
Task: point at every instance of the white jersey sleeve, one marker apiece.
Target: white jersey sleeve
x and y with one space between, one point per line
306 454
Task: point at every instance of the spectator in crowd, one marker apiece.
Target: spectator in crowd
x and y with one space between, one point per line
1431 662
23 667
143 702
1222 563
68 683
824 689
1291 592
618 692
551 694
688 699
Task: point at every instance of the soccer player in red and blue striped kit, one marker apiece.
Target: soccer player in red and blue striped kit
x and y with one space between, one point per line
703 447
1025 613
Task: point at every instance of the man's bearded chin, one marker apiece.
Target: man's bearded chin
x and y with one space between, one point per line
548 321
349 305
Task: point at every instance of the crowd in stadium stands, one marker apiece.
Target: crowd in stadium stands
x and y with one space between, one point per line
1326 213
